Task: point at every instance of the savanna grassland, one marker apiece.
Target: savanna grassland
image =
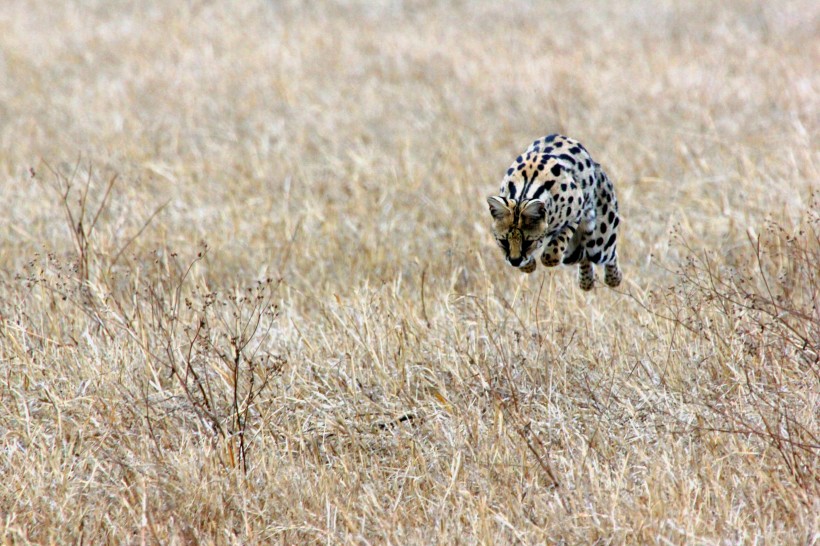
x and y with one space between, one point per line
248 291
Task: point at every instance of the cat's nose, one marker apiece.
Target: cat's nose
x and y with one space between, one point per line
515 262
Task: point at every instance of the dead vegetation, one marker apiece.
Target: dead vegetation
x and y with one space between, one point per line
248 292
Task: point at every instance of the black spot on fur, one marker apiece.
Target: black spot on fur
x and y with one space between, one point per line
556 170
511 189
575 257
610 242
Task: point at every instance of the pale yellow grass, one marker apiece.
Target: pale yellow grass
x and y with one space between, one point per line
397 382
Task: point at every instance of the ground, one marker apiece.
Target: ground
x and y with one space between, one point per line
289 322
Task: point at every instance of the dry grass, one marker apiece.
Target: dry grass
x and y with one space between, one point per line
287 322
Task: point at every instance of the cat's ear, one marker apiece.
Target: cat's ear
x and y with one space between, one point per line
499 207
533 211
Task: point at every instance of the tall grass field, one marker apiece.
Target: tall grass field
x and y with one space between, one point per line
249 293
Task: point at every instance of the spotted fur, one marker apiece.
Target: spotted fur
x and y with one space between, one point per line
558 204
